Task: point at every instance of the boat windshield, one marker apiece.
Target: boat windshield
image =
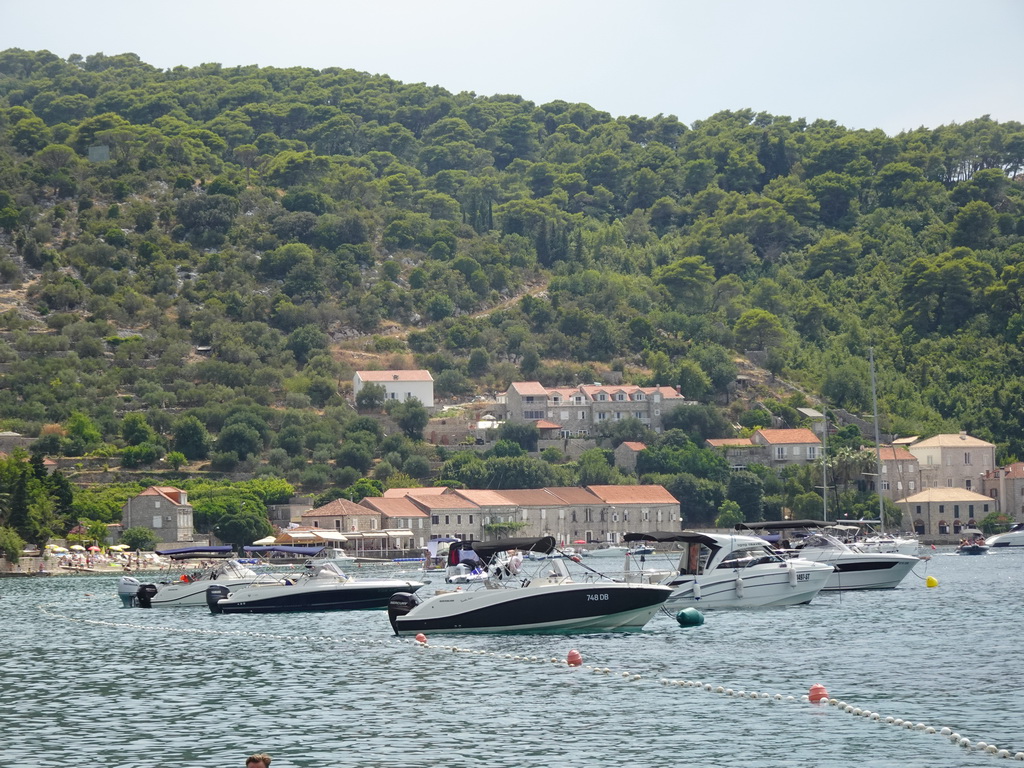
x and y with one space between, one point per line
745 557
819 541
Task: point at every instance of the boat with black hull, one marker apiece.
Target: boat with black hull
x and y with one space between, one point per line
853 569
529 596
322 586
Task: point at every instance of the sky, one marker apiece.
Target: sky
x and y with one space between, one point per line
890 64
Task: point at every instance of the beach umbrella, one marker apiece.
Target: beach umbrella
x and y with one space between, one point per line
77 547
119 547
266 541
57 549
94 548
580 541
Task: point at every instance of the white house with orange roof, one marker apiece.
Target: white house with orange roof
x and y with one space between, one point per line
399 385
954 461
578 411
165 511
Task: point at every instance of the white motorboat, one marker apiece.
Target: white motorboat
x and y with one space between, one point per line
541 597
731 571
181 588
853 569
869 537
323 586
1012 538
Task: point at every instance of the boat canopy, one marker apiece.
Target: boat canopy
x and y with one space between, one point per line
485 550
284 550
780 525
667 536
185 553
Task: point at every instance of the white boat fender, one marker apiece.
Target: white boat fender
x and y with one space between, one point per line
792 576
739 587
696 591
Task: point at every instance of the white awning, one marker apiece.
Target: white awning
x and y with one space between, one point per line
300 535
331 536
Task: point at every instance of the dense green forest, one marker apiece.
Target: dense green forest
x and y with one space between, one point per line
274 215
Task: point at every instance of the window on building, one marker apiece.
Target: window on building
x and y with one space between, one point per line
812 452
601 416
949 482
967 458
984 508
956 511
967 484
533 414
435 519
885 484
470 519
638 396
780 452
911 484
458 519
447 520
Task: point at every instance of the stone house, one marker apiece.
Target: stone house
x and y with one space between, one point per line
578 411
626 455
163 510
939 514
1005 485
789 446
401 514
954 461
399 385
900 474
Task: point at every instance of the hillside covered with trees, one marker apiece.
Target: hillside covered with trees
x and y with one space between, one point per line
274 217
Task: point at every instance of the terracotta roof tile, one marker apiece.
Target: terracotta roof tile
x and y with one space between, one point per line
395 375
789 436
634 446
952 441
633 494
533 388
337 508
403 507
484 498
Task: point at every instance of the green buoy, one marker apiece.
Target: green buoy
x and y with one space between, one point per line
690 617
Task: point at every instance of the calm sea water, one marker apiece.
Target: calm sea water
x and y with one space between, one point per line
86 682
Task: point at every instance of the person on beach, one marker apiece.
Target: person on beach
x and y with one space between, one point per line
258 760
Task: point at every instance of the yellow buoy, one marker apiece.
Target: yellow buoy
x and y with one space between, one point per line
931 581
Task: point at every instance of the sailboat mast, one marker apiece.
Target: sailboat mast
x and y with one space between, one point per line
824 464
878 444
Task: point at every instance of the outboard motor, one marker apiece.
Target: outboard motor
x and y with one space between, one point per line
145 595
128 591
399 605
214 594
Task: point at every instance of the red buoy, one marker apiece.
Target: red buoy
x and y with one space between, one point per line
421 638
574 658
817 693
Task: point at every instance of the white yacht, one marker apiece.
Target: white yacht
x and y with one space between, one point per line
1012 538
729 571
853 569
871 538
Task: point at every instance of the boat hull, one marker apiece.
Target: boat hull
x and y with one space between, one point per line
767 587
290 598
972 549
1002 540
572 607
868 571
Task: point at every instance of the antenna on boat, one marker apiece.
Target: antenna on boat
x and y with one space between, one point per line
878 444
